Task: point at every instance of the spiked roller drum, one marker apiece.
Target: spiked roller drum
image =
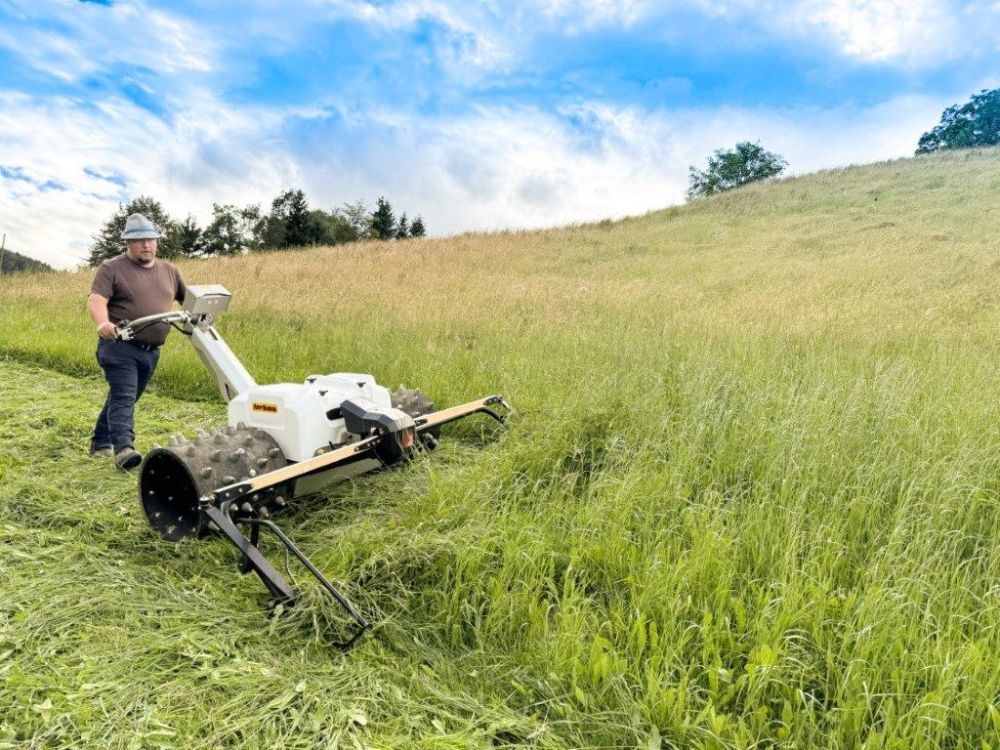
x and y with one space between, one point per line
175 477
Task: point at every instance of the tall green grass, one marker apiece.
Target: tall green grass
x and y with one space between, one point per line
749 497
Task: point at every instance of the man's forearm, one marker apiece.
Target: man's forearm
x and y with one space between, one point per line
98 308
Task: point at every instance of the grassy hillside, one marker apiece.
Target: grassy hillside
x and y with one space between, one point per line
749 497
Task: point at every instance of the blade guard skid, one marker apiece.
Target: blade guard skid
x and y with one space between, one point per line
388 435
397 428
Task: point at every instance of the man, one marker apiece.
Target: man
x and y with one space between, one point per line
130 286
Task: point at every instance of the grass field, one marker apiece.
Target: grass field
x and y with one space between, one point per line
749 497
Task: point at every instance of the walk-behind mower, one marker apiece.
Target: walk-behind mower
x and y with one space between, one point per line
283 441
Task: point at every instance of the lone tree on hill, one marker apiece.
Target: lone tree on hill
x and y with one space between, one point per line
108 242
383 223
748 162
975 123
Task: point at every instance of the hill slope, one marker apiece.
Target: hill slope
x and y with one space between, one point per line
750 494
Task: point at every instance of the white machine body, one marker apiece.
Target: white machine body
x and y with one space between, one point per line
305 418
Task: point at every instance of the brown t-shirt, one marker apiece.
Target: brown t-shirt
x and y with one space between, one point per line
134 291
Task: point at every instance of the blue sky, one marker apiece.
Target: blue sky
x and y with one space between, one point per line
476 115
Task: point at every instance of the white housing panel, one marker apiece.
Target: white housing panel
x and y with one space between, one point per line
296 415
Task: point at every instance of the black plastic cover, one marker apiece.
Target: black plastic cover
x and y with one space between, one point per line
363 416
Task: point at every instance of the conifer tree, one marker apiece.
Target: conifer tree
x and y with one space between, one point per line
403 228
189 236
108 242
383 223
291 223
417 228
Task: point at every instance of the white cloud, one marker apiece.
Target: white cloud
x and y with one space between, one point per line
587 14
524 168
869 31
188 164
475 32
896 32
882 30
94 37
490 169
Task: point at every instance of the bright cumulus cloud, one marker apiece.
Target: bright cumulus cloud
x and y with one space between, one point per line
477 116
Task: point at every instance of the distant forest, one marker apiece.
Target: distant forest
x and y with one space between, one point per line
13 262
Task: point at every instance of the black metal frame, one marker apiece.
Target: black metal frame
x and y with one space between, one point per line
252 559
221 510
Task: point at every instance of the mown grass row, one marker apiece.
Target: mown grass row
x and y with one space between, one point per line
749 497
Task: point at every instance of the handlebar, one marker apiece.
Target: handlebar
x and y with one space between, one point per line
127 329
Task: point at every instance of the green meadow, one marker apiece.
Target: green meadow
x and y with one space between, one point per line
749 496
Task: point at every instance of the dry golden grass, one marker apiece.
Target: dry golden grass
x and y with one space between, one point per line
907 246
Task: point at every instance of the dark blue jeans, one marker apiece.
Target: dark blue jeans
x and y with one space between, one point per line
127 368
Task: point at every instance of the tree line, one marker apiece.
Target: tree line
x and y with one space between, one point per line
235 231
11 262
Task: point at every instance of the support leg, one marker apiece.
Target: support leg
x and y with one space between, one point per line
277 586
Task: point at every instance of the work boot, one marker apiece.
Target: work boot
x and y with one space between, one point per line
127 458
103 451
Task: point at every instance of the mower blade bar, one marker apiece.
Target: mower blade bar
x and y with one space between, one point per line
354 451
345 454
482 406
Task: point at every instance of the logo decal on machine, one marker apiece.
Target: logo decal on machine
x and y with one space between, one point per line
264 407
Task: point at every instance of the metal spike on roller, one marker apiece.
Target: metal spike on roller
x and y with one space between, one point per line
283 441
